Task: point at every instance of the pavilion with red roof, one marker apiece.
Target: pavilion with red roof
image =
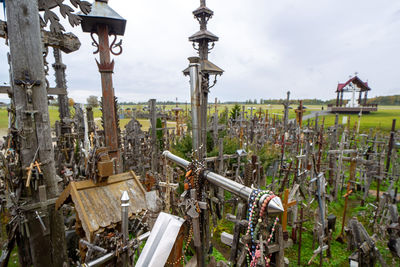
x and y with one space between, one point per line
356 104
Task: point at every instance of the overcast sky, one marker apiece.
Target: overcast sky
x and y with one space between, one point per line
266 48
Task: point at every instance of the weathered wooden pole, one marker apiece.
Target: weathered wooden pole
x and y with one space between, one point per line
341 237
287 203
32 120
300 231
59 72
286 105
390 148
104 21
154 143
106 69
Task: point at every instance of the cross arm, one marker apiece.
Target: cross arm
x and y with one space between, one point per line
66 42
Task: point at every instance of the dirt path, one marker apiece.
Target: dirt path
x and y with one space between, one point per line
312 115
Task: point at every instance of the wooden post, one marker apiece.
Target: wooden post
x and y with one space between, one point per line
390 147
346 196
59 69
300 231
154 145
341 99
286 111
32 118
106 68
337 99
241 211
286 204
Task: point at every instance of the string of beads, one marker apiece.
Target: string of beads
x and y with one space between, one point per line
182 257
256 212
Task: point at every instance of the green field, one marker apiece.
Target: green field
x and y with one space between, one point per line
380 120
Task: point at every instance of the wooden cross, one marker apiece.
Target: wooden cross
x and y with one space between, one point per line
29 171
67 42
286 105
215 127
299 114
286 204
168 187
346 196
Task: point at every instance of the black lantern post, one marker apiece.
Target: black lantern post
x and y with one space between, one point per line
203 42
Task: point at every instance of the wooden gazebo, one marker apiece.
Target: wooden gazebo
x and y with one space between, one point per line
354 105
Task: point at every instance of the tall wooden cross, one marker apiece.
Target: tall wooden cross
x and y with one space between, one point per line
299 114
341 237
169 186
287 203
29 92
215 127
65 42
286 105
153 115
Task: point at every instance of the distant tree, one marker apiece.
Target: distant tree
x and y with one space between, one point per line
223 116
235 111
92 101
255 101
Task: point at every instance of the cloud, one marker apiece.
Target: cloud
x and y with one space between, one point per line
266 48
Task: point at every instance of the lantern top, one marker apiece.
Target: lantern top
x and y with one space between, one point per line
206 66
203 35
102 13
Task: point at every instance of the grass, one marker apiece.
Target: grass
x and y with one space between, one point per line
380 120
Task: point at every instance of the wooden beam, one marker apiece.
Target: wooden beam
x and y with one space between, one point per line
3 29
66 42
5 89
50 91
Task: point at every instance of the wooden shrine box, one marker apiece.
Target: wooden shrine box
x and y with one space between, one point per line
105 166
98 205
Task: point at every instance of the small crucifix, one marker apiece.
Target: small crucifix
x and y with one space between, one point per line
168 187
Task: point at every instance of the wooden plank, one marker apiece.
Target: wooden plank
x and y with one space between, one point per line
56 91
66 42
3 29
63 197
138 182
50 91
5 89
81 185
78 203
